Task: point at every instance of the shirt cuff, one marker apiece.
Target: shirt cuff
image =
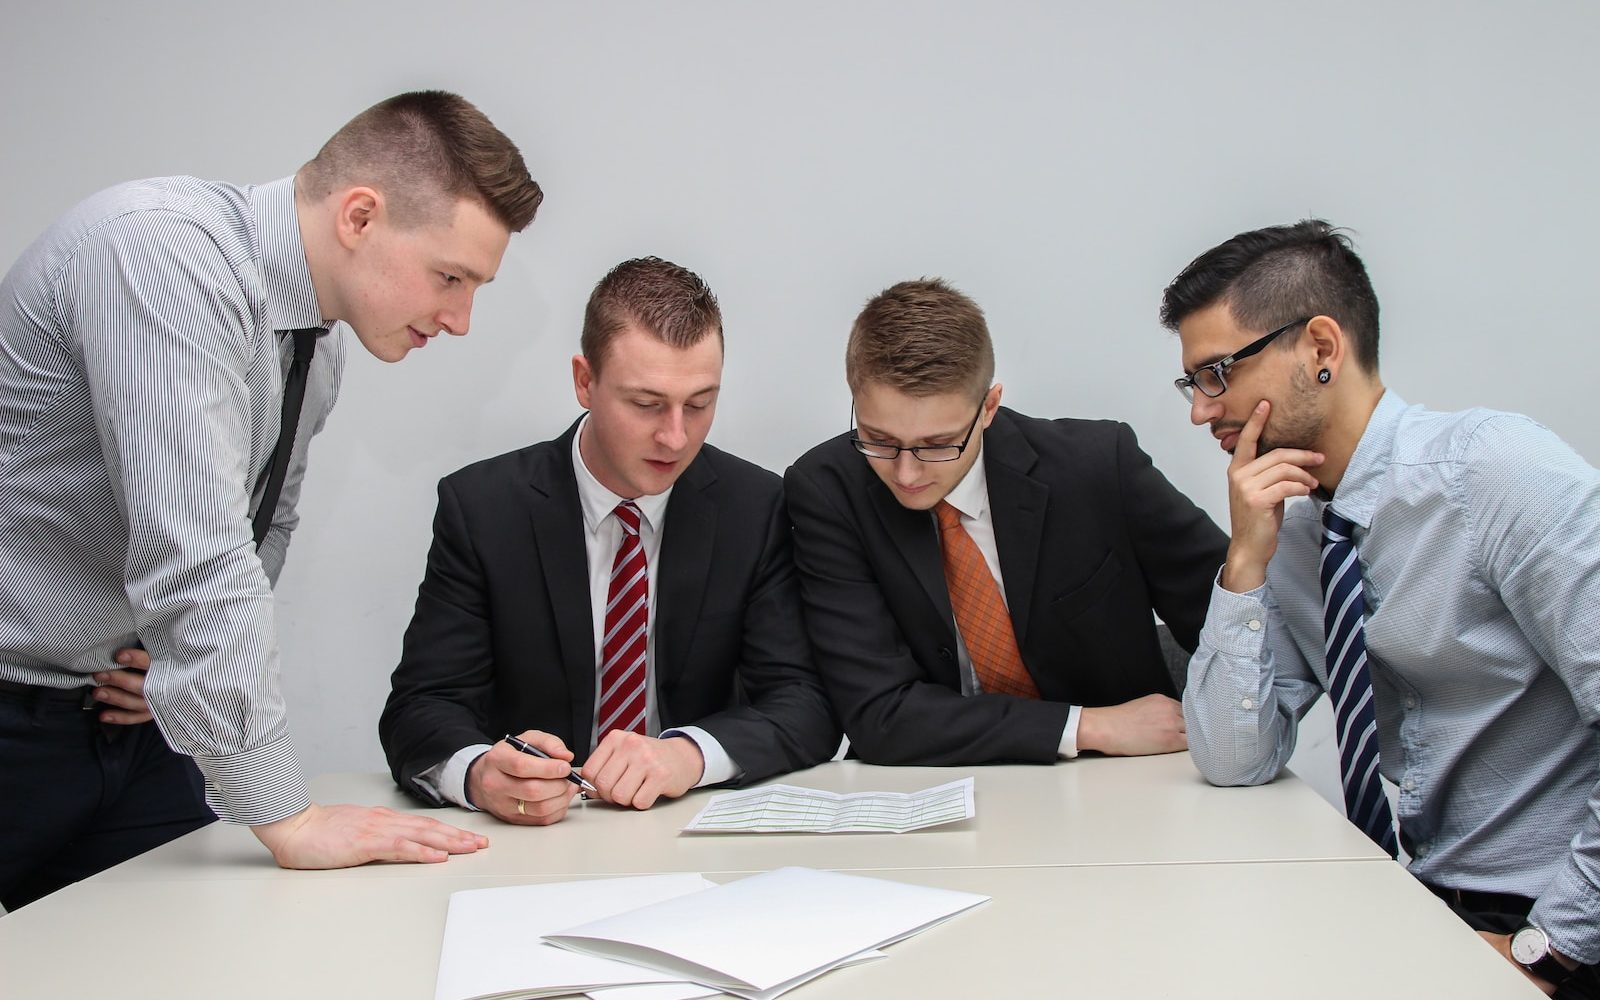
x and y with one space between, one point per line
1236 624
1069 736
258 786
447 780
719 766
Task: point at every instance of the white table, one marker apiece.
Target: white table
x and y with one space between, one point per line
1109 878
1107 811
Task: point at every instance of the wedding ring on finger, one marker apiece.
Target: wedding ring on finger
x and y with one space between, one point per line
522 808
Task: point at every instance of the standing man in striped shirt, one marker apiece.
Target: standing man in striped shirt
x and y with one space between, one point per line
163 364
1437 574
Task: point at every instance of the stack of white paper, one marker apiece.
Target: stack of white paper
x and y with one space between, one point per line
492 947
763 935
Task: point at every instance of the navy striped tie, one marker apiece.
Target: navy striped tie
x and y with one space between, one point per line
1344 616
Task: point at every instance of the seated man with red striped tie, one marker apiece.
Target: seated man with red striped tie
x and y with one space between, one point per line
622 597
1438 574
979 584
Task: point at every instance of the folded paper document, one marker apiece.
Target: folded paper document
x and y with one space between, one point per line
491 937
766 934
792 809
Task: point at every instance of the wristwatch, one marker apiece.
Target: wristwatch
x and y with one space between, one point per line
1530 947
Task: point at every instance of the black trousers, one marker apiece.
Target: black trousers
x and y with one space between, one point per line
80 796
1503 913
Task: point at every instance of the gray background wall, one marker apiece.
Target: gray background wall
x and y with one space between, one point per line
1058 161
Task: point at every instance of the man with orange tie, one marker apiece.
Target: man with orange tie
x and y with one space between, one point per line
622 598
979 584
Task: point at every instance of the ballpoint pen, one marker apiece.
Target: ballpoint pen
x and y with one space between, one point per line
522 746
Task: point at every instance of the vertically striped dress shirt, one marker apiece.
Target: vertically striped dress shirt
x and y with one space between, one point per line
1478 535
141 381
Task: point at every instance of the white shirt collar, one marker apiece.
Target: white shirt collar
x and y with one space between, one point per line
971 495
598 502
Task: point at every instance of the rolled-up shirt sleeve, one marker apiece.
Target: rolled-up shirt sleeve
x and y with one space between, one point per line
1248 688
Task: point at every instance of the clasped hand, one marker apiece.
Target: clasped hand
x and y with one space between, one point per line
626 769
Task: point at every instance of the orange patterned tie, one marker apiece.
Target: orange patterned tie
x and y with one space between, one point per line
981 615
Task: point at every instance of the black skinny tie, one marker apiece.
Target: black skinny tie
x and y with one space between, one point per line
294 396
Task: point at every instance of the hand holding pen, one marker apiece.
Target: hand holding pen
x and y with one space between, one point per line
572 776
525 779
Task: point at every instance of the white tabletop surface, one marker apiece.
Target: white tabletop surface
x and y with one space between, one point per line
1309 930
1101 811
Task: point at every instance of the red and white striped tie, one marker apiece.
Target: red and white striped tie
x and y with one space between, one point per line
622 661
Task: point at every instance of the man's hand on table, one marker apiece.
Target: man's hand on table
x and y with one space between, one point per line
633 770
346 836
520 788
1149 725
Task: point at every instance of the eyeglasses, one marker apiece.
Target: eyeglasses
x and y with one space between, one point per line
921 452
1212 379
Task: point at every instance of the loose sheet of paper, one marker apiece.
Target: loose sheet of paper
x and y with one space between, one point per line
792 809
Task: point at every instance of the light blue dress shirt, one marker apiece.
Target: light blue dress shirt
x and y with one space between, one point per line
1479 539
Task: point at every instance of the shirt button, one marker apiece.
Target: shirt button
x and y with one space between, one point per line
1253 625
1409 785
1423 850
1247 704
1411 701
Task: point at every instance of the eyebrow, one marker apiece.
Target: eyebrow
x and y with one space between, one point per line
878 435
657 394
1207 362
466 272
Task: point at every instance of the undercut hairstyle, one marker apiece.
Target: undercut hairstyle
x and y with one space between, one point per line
922 338
424 151
669 302
1269 277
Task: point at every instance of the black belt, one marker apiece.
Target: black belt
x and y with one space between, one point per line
1483 902
83 697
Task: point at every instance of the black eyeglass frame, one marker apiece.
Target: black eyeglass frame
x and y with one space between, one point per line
1187 384
916 450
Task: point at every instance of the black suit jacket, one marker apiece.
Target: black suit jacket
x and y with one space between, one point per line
502 639
1091 538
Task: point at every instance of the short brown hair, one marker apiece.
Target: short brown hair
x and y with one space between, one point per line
670 302
922 338
424 151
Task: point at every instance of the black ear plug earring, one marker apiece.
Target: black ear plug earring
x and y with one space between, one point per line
1324 376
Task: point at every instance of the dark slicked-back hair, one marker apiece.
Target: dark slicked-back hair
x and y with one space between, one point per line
922 338
424 151
1269 277
667 301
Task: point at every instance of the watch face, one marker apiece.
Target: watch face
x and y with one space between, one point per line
1529 945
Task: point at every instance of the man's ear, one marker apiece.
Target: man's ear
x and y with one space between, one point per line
582 380
356 211
1326 345
991 402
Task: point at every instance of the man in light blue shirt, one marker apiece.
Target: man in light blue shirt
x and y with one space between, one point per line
1477 537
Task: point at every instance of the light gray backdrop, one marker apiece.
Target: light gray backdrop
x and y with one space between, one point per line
1058 161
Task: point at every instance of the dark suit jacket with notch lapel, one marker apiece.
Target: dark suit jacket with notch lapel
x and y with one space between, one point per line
1091 538
502 639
